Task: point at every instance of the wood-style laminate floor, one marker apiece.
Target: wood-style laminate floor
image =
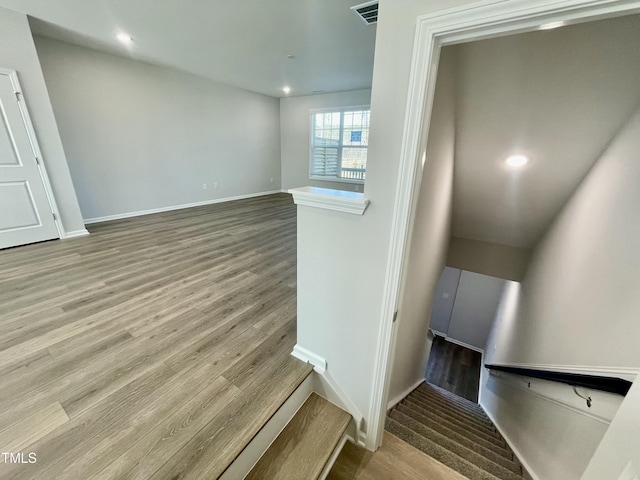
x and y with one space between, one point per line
454 368
153 348
394 460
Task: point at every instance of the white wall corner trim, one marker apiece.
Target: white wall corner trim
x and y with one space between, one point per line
76 233
175 207
307 356
337 200
525 466
466 23
394 401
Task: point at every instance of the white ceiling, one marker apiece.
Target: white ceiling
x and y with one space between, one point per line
559 96
242 43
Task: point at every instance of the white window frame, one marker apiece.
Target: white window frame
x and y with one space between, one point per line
312 112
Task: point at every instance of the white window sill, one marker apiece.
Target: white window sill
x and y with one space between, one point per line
328 199
337 179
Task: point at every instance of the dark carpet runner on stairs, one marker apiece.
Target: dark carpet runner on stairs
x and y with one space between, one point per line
454 431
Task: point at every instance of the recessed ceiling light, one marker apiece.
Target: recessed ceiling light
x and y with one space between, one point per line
124 38
517 161
286 90
552 25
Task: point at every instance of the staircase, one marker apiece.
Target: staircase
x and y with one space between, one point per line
455 432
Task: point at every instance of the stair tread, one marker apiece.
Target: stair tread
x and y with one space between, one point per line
481 461
454 419
438 452
435 389
491 451
481 421
477 412
492 442
305 445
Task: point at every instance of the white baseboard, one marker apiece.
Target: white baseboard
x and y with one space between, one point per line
76 233
525 466
396 400
307 356
465 345
120 216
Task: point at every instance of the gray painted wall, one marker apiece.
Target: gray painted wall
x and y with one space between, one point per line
578 308
18 53
429 240
295 124
141 137
475 307
444 299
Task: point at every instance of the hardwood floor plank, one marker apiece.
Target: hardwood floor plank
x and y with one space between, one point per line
127 336
30 429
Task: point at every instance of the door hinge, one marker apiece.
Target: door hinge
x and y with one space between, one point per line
395 316
17 96
55 217
37 159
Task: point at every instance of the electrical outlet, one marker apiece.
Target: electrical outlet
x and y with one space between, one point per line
204 186
215 185
271 179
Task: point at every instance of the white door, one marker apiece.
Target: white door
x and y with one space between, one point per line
25 211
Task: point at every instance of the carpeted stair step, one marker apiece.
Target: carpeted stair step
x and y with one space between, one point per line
492 452
478 414
461 422
429 388
510 472
438 452
475 419
491 441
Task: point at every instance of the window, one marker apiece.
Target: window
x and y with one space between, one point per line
339 140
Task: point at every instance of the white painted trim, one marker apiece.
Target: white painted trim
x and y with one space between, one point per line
392 403
329 199
465 345
327 387
333 458
516 452
480 20
33 139
307 356
250 455
76 233
120 216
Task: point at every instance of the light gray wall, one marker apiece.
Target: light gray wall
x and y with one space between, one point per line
346 330
475 308
444 299
488 258
429 240
295 135
18 53
578 308
141 137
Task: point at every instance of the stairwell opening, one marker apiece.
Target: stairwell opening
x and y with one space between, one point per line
566 98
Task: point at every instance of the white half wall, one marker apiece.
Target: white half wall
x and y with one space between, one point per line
295 135
577 308
474 310
141 137
429 240
19 53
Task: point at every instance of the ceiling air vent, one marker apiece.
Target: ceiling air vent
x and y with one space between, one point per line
368 12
